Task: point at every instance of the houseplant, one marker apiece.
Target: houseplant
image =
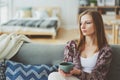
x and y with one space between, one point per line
93 2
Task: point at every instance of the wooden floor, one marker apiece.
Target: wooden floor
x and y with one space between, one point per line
63 36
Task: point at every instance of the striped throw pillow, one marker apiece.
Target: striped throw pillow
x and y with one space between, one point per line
19 71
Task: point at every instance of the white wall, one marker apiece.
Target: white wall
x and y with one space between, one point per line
69 9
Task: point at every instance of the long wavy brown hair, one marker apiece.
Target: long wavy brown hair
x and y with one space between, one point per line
100 37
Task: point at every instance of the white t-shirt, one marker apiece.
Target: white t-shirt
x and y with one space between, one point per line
89 63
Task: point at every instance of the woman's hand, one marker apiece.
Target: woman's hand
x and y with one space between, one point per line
63 73
75 71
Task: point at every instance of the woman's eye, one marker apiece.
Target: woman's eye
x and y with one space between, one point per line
88 22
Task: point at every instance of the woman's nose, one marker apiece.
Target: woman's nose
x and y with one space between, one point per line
83 26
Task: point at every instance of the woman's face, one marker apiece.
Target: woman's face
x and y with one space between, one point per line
87 25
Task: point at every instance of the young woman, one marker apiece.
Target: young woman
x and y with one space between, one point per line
91 55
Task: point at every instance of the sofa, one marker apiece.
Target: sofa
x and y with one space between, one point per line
36 53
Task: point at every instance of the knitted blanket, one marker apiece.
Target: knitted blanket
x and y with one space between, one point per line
10 44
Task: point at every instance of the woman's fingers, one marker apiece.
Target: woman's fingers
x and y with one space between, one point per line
63 73
75 71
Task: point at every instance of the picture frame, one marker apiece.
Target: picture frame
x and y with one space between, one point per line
109 2
100 2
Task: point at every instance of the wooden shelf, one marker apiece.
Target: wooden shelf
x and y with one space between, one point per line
99 6
104 10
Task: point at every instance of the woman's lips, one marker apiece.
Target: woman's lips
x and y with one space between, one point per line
84 31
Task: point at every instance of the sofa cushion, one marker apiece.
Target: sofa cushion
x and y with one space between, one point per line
19 71
38 53
114 73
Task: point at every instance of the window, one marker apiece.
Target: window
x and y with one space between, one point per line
5 6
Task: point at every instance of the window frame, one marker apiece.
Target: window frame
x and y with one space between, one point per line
8 5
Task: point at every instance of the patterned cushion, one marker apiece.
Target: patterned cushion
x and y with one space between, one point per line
2 70
19 71
22 13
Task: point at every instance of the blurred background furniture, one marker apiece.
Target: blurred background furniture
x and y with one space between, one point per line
34 21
